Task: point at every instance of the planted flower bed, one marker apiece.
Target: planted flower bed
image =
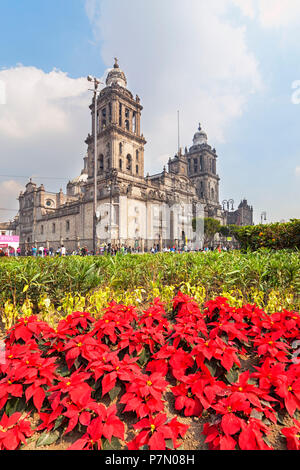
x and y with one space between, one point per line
134 380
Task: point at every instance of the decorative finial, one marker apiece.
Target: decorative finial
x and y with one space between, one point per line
199 128
116 65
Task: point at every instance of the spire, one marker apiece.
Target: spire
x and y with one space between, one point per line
116 65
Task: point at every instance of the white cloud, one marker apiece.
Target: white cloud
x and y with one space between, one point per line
271 13
9 191
39 103
178 55
43 126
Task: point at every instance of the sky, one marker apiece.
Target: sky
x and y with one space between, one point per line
232 65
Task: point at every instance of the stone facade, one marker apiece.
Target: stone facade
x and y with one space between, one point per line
133 209
242 216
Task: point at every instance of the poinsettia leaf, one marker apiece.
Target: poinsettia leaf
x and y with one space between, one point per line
211 367
142 357
58 422
114 392
266 441
169 444
47 438
256 414
281 418
113 445
13 405
232 375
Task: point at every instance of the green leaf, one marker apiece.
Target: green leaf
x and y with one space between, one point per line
256 414
142 357
58 422
47 438
113 445
211 367
14 405
169 444
232 375
113 393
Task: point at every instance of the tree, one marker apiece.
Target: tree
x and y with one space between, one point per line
211 227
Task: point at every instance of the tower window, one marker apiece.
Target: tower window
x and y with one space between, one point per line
109 112
195 165
120 148
100 163
128 162
134 122
120 164
137 169
103 114
127 119
67 225
120 114
137 155
201 163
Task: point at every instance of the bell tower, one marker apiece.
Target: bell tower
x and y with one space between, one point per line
202 170
120 142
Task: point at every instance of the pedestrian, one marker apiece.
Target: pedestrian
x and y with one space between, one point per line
62 250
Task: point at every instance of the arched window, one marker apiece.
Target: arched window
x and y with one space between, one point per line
212 194
128 162
137 155
120 164
127 113
133 122
100 163
120 148
137 169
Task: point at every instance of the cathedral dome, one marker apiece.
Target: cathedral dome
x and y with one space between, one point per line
200 137
116 76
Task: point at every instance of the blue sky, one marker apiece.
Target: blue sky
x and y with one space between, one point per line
48 34
229 64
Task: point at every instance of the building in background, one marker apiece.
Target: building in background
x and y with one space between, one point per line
242 216
134 209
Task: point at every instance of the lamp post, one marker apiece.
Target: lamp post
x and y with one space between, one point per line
95 218
111 177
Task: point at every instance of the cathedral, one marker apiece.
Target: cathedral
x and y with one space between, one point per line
133 209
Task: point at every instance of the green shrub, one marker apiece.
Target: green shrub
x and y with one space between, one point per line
276 236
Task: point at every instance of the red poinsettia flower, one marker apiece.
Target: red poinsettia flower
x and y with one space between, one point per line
105 426
292 435
288 388
13 431
155 431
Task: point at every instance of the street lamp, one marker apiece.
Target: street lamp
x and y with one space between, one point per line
96 82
